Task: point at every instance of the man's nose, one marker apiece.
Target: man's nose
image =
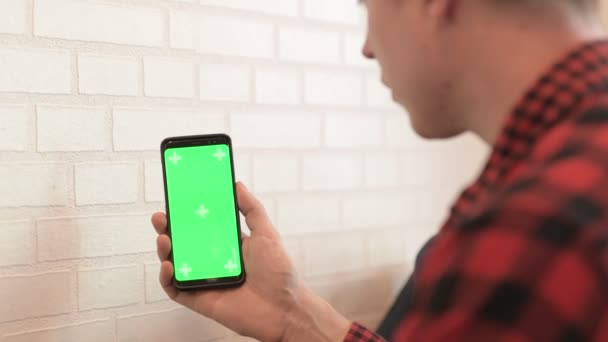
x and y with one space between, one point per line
367 51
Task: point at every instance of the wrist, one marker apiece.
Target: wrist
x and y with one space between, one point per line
313 319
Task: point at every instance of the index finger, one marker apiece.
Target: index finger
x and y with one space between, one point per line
159 221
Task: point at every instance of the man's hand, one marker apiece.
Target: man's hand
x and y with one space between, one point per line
272 304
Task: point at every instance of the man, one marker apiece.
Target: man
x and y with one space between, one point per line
524 253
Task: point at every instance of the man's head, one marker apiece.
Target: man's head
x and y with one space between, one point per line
438 56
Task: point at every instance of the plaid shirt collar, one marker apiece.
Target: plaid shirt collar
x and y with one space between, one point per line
554 98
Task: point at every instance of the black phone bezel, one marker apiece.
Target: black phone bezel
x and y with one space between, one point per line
203 140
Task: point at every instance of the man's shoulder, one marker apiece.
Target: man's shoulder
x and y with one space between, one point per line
558 196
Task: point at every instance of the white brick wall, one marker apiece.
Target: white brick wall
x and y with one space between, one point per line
99 331
265 169
154 292
340 11
89 88
183 30
278 7
153 177
33 185
63 128
36 295
295 45
295 214
262 129
107 75
331 172
224 35
34 70
17 253
227 83
88 237
333 88
153 125
277 86
13 17
175 325
168 77
105 288
14 128
98 21
354 131
106 183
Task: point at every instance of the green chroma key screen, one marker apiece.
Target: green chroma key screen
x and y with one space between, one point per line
202 212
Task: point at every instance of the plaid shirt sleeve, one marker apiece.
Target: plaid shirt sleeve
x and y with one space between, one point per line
359 333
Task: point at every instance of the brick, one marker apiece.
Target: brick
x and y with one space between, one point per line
154 186
332 88
35 71
399 132
103 183
226 83
298 129
373 210
168 77
154 125
14 128
17 243
386 247
82 20
105 288
308 214
309 45
107 75
62 128
183 27
268 202
13 15
276 7
46 184
277 86
275 173
354 131
154 292
331 172
242 168
36 295
97 331
235 36
339 11
351 294
381 170
415 239
332 253
175 325
95 236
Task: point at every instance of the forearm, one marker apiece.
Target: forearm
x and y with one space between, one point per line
314 320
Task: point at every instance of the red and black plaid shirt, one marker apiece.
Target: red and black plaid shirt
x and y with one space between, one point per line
524 253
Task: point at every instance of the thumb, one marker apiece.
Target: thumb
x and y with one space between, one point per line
255 215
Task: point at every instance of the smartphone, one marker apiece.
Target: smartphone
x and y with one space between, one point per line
202 211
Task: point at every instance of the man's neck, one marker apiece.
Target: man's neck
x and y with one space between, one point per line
511 66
